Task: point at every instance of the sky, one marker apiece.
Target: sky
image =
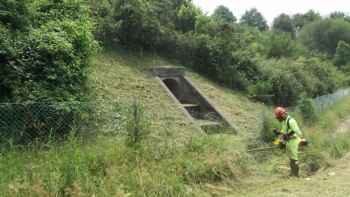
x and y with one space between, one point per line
272 8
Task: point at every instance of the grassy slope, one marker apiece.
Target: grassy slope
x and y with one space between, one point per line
120 76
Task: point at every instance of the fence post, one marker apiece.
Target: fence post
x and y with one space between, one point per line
318 104
263 115
136 131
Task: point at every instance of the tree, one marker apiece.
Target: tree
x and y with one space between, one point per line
311 16
327 78
340 15
342 57
255 19
202 23
284 23
324 35
280 45
186 18
143 23
299 20
222 12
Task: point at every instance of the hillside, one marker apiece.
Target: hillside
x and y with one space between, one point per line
122 75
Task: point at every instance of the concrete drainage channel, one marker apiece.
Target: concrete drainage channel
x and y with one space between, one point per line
198 108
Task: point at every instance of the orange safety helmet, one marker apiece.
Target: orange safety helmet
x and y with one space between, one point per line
279 111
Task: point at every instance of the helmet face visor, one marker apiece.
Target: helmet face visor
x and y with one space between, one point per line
280 118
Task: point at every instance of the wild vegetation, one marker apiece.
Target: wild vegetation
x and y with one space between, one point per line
99 50
58 39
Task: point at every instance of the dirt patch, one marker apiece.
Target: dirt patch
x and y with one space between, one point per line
344 125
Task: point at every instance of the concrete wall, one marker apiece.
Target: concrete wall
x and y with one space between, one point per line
182 90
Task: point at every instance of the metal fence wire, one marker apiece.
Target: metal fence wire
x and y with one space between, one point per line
22 123
322 102
25 123
210 122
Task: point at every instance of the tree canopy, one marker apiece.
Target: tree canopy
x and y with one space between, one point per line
324 35
340 15
255 19
222 12
46 46
284 23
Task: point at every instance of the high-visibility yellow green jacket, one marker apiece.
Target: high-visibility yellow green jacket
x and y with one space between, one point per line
291 128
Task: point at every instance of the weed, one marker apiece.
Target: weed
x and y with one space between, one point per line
137 128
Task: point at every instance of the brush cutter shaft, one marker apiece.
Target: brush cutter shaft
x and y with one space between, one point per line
258 149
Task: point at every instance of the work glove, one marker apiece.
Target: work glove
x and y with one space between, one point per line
276 132
286 137
282 145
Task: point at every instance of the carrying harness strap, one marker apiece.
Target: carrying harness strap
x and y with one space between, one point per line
304 141
298 132
292 132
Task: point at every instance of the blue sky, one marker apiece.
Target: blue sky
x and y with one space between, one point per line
272 8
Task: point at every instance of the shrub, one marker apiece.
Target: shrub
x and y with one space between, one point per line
307 109
266 133
48 60
137 128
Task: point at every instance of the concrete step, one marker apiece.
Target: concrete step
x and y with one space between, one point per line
204 123
189 105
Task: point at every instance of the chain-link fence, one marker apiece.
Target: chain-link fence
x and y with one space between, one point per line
25 123
322 102
210 122
59 145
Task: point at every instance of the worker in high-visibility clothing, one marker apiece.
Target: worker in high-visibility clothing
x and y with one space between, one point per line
291 135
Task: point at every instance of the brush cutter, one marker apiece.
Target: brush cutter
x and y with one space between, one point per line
278 143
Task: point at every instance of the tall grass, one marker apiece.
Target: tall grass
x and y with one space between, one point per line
109 167
326 142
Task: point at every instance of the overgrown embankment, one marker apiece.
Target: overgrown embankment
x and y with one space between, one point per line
175 159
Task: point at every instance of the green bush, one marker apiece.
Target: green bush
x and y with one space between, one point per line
266 133
280 45
307 109
325 77
48 60
14 14
281 82
138 129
